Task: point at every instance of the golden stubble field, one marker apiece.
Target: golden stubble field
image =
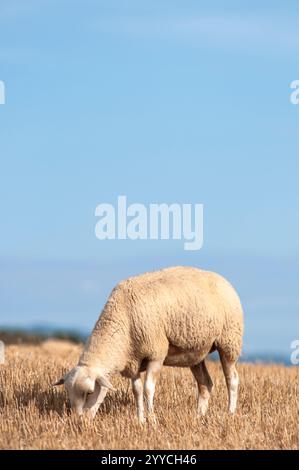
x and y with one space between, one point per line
33 415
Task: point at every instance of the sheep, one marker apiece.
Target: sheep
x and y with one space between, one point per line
172 317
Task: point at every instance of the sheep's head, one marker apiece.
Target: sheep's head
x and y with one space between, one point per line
86 389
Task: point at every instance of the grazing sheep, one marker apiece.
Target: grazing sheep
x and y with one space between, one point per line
172 317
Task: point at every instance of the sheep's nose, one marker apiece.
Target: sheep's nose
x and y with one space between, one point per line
89 413
77 409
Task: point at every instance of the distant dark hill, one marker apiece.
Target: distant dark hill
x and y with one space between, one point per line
36 335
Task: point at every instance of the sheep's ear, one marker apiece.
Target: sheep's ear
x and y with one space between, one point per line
59 382
105 383
63 379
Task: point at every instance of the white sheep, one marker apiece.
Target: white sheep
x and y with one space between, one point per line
172 317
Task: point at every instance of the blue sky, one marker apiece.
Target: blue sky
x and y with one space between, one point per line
161 101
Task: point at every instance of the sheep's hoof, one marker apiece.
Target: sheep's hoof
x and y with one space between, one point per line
141 420
152 420
202 407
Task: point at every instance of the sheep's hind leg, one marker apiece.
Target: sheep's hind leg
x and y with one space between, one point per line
232 380
138 394
205 385
152 372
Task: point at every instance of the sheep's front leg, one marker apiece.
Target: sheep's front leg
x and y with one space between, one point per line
138 394
152 373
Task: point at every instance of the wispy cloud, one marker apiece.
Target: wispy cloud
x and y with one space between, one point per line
236 31
18 55
18 9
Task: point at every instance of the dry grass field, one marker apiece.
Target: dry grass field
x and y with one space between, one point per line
33 415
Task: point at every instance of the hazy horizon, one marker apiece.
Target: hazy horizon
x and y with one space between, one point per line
71 294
